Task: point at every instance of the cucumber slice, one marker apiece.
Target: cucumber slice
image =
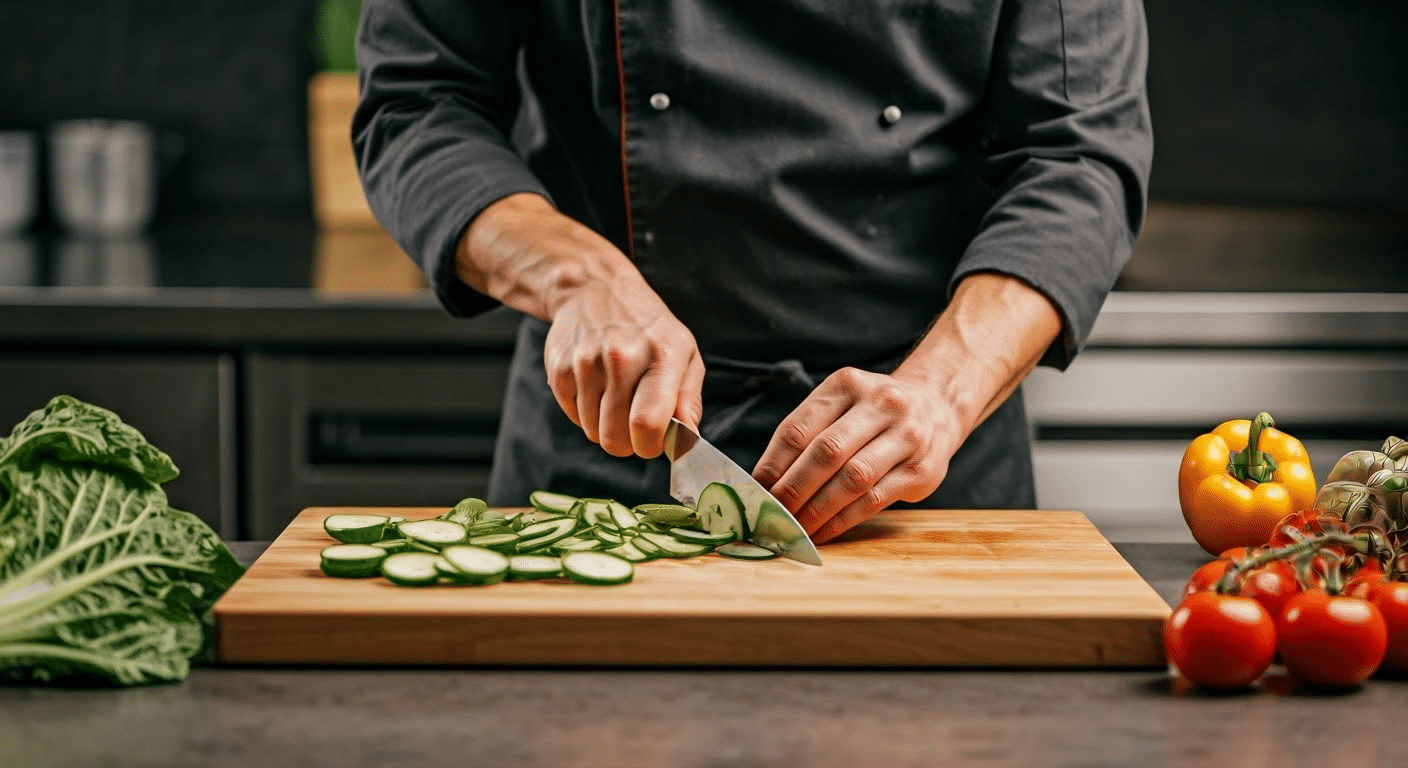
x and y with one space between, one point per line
410 569
476 565
540 535
742 550
721 510
484 529
691 536
352 561
574 544
536 516
596 568
392 546
467 512
436 533
646 546
773 526
608 536
629 551
672 515
673 547
391 534
499 542
356 529
597 512
622 515
547 501
533 567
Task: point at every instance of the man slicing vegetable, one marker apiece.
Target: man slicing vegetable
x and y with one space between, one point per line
834 236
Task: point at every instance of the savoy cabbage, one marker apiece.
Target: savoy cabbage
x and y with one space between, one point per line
100 579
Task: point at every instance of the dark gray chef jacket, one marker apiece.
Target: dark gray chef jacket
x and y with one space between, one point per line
802 182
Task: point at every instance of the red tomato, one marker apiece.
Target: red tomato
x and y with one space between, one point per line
1331 640
1272 585
1392 601
1237 553
1220 641
1367 582
1205 578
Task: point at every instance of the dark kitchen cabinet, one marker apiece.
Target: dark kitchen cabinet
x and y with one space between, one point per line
183 403
367 429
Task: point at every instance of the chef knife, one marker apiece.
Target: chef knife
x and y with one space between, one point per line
694 464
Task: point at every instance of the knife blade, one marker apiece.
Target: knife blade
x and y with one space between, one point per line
695 463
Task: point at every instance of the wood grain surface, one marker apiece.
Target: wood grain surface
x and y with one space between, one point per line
909 588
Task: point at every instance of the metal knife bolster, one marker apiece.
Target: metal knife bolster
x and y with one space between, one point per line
695 463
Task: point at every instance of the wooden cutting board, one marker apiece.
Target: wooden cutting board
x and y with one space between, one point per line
922 587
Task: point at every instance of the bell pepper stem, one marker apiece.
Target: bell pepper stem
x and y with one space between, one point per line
1252 463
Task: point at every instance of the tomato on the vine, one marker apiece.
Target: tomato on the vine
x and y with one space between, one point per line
1331 640
1367 582
1220 641
1392 602
1272 585
1206 577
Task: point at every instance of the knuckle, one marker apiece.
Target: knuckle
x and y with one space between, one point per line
792 436
857 477
873 500
829 450
788 494
848 378
891 398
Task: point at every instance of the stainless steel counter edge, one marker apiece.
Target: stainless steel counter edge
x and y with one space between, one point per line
239 316
1253 320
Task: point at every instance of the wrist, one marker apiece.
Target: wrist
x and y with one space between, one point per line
991 335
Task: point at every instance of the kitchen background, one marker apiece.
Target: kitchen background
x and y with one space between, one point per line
285 364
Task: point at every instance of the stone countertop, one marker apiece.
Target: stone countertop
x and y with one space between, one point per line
706 717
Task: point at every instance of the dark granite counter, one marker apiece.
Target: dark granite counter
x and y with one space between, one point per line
708 718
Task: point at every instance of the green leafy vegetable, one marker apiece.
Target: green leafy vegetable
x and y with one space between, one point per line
99 577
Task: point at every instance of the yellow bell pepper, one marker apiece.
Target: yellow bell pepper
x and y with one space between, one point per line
1239 480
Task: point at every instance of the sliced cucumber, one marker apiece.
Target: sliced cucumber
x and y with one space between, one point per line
574 544
391 533
773 527
541 535
596 568
536 516
352 561
356 529
597 512
608 536
499 542
392 546
547 501
691 536
622 515
533 567
672 515
629 551
484 529
742 550
468 512
673 547
476 565
646 546
435 533
721 510
411 569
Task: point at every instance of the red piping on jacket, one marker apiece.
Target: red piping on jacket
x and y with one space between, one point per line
625 174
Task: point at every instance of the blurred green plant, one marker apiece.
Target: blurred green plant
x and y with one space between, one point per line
335 34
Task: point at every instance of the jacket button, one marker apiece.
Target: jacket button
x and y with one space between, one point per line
891 114
660 101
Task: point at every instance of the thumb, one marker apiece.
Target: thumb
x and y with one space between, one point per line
689 408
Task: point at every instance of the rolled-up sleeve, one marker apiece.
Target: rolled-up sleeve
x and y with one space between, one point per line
1068 156
438 99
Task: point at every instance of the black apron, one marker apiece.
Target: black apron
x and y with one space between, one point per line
539 448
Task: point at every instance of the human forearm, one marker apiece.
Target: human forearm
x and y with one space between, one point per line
525 254
986 341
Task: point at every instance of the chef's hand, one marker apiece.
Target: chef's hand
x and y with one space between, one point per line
618 361
862 441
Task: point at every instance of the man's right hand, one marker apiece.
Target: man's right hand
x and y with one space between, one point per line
618 361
